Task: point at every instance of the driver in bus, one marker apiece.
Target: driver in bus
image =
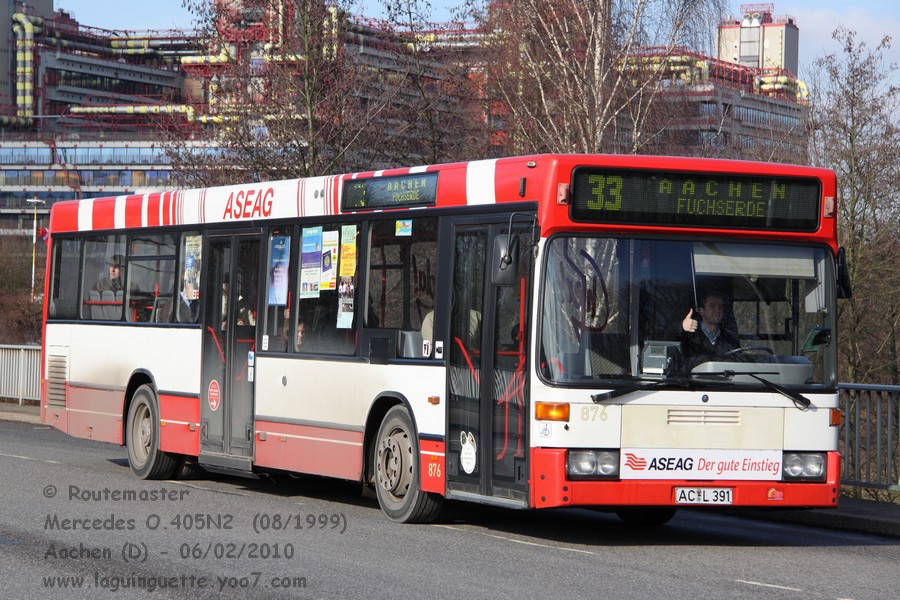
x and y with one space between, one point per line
705 339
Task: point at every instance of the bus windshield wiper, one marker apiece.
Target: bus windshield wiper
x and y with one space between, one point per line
799 400
641 384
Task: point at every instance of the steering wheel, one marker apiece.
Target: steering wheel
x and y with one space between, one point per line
748 349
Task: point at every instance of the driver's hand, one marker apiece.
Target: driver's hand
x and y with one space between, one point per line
690 324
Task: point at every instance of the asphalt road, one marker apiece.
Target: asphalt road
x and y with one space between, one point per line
75 523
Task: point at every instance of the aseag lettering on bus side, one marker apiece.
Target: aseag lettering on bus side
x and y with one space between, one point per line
249 204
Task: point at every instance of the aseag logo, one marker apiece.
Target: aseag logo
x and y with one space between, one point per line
634 462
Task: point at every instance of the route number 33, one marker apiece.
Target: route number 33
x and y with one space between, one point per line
606 192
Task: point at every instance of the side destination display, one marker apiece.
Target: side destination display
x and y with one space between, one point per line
419 189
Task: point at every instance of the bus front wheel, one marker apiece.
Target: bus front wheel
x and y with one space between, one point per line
145 458
397 478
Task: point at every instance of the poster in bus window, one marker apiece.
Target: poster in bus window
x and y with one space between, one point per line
279 262
329 260
345 304
311 262
348 251
346 286
403 228
191 278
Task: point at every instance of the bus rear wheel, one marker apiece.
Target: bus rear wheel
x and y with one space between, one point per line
145 458
397 477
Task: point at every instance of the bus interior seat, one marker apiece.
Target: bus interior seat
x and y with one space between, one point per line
93 310
110 311
162 310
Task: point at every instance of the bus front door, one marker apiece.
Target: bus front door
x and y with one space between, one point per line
487 444
229 347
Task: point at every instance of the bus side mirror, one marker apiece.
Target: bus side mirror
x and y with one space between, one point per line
505 260
844 289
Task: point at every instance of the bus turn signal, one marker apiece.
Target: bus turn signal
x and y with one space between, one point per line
551 411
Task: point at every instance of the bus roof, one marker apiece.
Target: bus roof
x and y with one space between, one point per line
481 182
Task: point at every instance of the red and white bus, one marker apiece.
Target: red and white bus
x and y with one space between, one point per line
509 331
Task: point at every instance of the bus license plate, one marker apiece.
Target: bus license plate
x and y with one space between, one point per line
702 495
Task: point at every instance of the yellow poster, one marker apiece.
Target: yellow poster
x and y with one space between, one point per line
348 251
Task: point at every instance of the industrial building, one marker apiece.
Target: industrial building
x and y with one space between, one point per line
80 107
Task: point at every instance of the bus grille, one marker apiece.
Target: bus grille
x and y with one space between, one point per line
704 416
57 367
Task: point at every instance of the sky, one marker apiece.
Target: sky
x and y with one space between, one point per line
816 19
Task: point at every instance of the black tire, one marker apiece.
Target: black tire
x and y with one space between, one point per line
646 516
145 458
395 461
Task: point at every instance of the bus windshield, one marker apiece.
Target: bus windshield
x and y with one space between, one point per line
622 309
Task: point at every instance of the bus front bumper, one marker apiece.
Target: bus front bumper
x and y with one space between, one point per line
551 488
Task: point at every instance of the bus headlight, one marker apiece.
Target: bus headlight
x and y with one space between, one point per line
804 466
592 464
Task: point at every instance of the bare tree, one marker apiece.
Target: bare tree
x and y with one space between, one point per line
855 131
576 76
436 115
293 90
20 317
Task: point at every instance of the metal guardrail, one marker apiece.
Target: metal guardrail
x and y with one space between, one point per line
870 437
20 373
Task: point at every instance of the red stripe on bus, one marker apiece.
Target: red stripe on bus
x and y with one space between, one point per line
104 215
64 217
307 449
153 201
167 208
451 186
134 208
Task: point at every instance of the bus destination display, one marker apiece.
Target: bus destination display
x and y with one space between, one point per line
419 189
695 199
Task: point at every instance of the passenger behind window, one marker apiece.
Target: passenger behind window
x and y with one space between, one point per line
112 279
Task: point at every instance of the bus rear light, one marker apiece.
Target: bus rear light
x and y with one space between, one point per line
837 417
592 464
551 411
804 466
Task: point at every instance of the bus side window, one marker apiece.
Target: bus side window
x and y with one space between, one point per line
402 270
64 282
325 291
101 254
150 278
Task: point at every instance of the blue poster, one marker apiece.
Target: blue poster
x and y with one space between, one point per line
311 262
279 264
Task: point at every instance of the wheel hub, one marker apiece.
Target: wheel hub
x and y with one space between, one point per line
393 468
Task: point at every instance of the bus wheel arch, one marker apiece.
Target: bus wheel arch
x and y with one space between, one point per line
382 404
141 439
138 378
